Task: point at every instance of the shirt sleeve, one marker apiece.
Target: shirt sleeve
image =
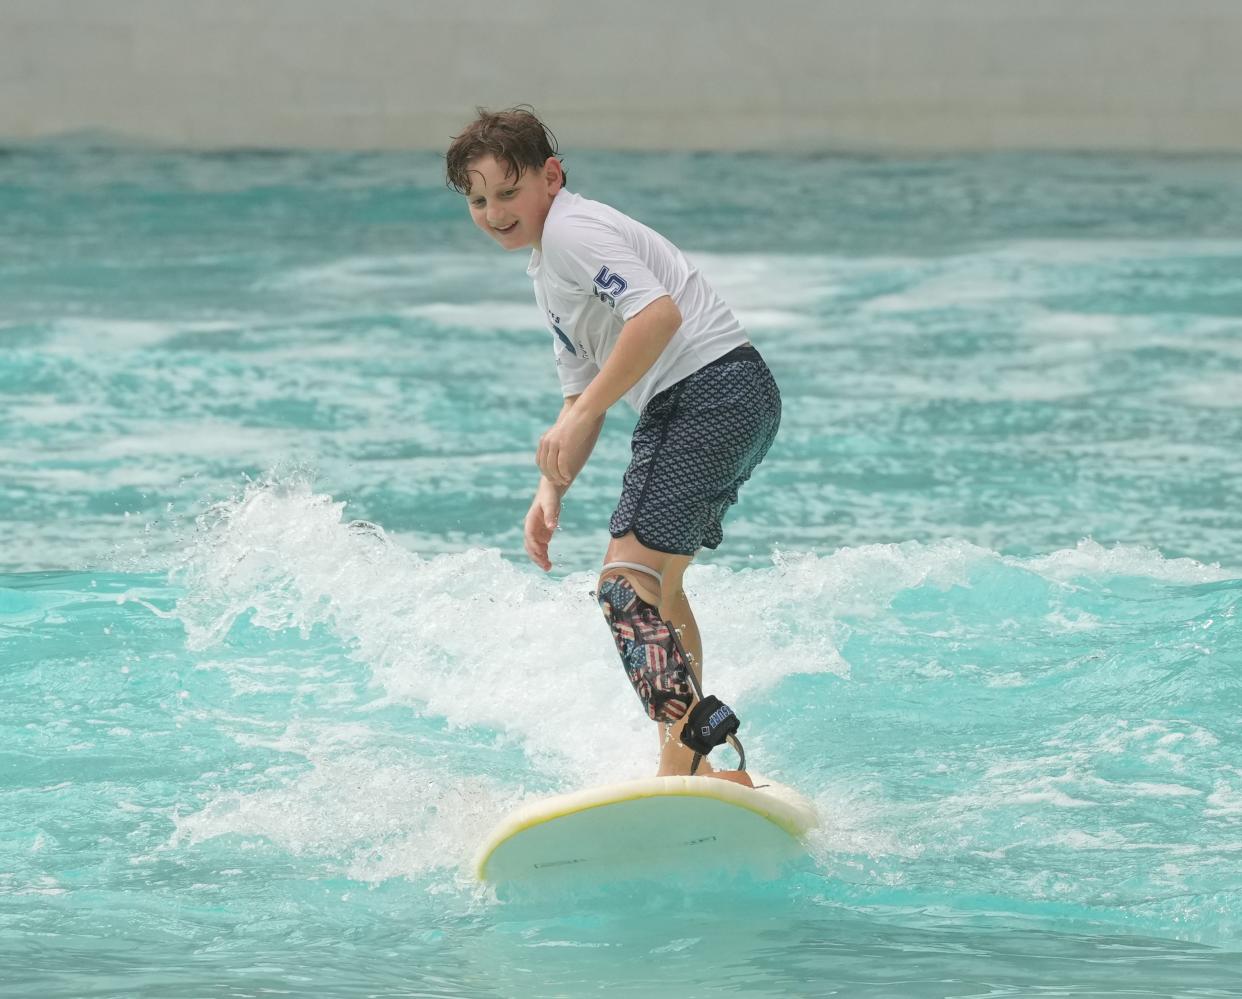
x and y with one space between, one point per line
595 257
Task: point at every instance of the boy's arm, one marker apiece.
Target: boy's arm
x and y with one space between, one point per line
560 483
564 449
641 341
545 509
544 481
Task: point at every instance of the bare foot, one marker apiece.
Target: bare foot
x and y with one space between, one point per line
737 776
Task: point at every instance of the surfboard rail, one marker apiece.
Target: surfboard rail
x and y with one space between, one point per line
781 806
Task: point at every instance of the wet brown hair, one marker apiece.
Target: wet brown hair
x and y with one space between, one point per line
515 137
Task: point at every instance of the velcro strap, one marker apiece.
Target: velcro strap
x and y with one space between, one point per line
709 723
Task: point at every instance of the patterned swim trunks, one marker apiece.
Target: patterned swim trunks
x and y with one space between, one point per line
695 444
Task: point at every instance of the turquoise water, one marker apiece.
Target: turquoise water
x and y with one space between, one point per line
980 603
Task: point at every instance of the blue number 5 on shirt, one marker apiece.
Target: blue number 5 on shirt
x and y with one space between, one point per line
610 285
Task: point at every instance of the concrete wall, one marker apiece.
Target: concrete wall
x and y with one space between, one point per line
672 74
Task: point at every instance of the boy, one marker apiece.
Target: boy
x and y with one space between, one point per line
630 316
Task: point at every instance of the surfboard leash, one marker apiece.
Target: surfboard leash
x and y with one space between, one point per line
711 722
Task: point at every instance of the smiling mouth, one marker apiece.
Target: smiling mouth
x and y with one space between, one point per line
508 228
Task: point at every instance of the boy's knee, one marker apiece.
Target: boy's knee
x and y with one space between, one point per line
645 581
617 589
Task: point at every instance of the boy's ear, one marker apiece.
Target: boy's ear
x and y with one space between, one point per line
553 173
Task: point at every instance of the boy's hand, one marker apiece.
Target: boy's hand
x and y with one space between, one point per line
564 449
541 520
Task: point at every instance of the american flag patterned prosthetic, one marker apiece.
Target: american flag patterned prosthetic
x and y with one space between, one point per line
651 656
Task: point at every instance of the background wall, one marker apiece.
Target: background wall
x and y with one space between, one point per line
674 74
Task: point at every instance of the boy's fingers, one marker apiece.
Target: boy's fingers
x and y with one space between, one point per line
551 463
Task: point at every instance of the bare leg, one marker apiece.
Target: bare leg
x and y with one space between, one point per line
676 758
674 607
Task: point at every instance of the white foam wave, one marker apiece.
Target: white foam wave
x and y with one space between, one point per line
45 411
1091 559
371 820
1054 251
408 273
1225 800
944 291
484 317
862 581
774 319
1212 391
69 334
468 637
854 824
784 281
479 641
1076 325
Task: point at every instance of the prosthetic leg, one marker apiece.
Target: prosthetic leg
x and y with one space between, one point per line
660 669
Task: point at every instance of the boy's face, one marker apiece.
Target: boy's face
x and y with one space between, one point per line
512 211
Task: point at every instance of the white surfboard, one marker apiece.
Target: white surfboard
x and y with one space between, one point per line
646 827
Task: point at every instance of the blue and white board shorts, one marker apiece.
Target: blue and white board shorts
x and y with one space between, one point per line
695 444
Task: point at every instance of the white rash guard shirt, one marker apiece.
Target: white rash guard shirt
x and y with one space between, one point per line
597 269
